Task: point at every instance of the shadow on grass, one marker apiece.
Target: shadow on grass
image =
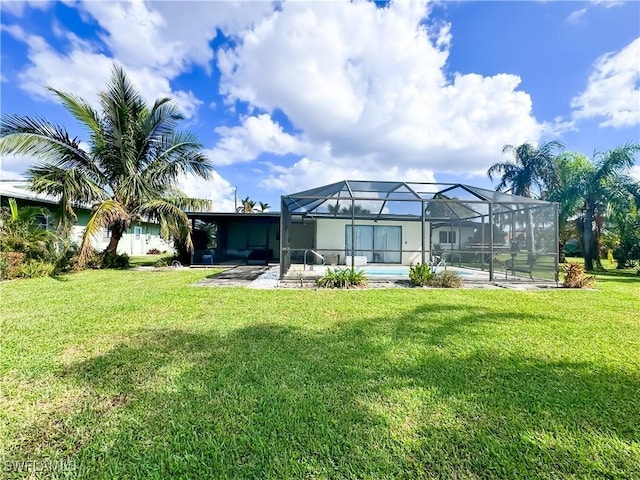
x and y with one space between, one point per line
375 398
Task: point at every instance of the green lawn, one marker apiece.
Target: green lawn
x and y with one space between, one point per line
135 374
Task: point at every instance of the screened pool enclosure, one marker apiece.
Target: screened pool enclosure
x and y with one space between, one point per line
356 223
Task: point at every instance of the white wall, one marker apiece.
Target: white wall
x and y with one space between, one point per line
330 234
462 236
128 243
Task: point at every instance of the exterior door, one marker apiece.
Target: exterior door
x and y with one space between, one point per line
138 241
379 243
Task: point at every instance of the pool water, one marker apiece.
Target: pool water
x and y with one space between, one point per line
399 271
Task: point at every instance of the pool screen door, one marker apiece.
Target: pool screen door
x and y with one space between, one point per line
379 243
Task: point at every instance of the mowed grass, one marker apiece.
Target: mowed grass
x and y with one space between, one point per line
139 375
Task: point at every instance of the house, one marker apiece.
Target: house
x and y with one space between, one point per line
139 238
360 222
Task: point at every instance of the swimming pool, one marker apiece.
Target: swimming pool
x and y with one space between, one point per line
403 271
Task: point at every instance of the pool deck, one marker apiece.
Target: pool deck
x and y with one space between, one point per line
266 277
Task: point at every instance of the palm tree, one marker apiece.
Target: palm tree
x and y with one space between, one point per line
531 167
263 207
570 167
128 173
603 186
246 205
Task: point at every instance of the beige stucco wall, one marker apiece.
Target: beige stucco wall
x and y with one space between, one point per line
330 234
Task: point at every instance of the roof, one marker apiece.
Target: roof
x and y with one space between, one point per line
20 189
397 199
233 215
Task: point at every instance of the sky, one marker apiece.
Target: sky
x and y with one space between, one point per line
287 96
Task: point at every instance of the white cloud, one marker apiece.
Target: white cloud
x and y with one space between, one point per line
368 106
256 135
85 72
613 89
18 7
12 166
608 3
307 173
154 41
217 189
576 16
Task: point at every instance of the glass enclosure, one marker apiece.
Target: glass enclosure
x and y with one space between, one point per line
354 223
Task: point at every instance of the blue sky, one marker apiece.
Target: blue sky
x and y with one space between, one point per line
291 95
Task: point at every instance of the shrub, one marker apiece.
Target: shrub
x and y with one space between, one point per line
164 261
575 276
98 261
118 261
342 278
420 274
445 280
36 268
153 251
10 263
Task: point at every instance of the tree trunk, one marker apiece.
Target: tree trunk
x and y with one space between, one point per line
117 231
561 255
588 238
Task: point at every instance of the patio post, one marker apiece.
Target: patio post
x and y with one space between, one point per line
423 229
491 257
353 233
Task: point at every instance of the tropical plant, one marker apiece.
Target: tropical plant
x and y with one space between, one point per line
530 172
263 207
342 278
604 187
575 276
246 205
129 172
626 251
420 274
28 249
570 167
20 231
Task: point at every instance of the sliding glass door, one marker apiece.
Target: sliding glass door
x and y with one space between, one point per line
379 243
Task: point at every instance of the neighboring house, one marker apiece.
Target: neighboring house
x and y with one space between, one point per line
139 238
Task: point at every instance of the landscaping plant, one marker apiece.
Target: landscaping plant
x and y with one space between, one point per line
445 280
420 274
575 276
342 278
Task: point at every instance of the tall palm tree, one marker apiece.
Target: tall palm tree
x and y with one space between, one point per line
603 186
263 207
128 173
570 167
531 167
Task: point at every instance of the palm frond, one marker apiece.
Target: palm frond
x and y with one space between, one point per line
169 214
80 109
42 139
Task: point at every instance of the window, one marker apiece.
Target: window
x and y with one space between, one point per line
379 243
106 233
447 237
137 232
